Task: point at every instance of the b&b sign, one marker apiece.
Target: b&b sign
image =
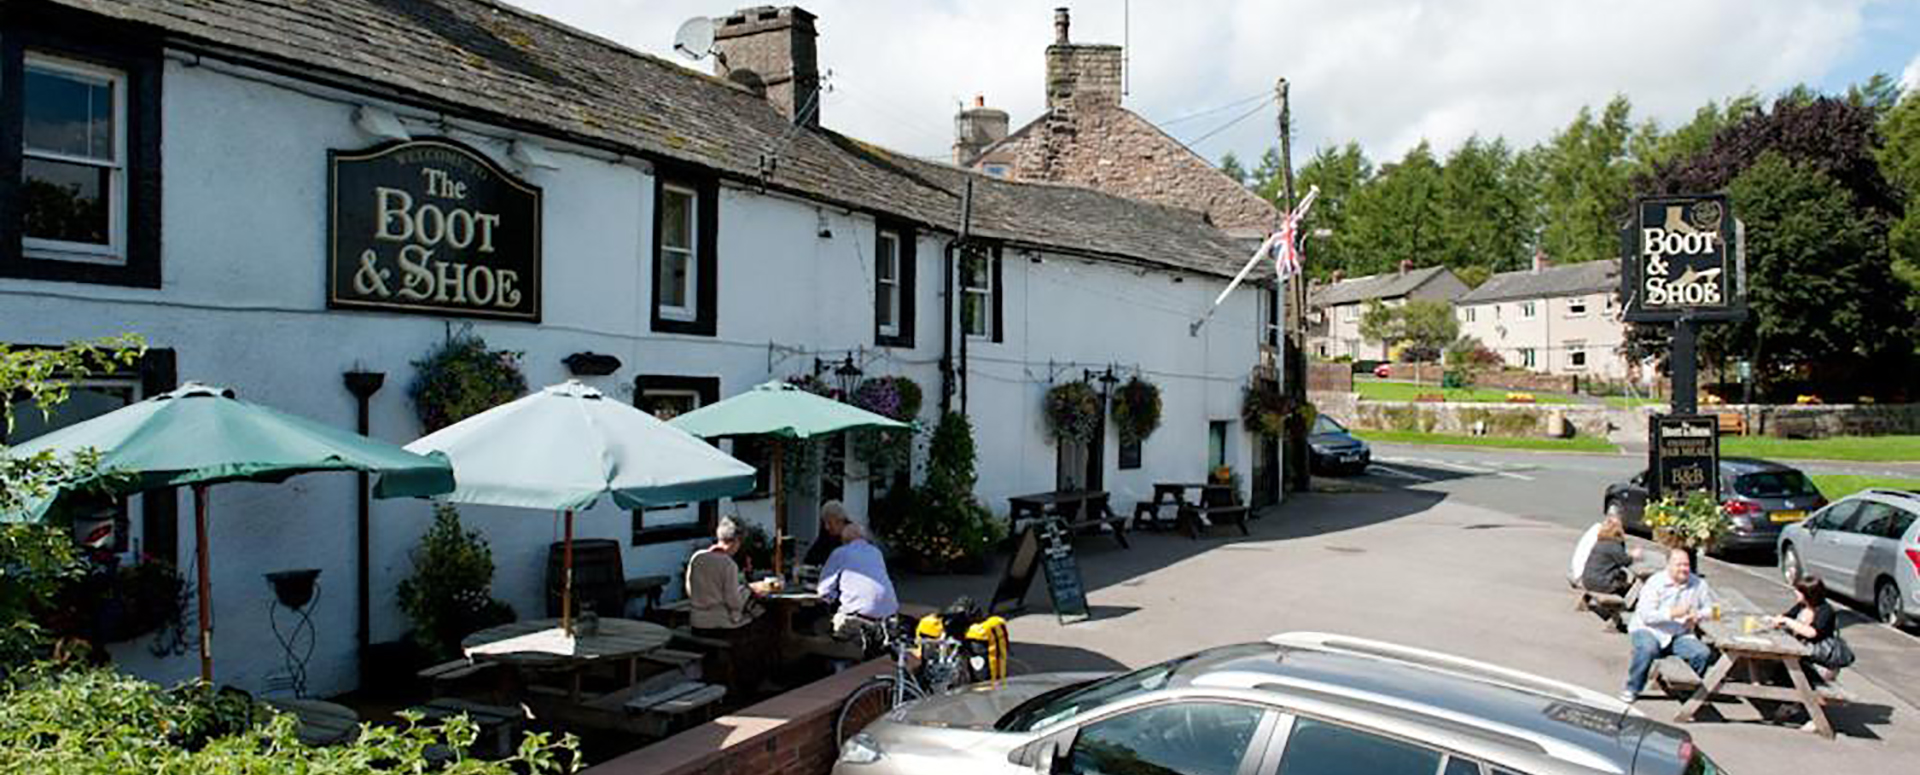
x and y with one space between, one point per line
433 227
1682 258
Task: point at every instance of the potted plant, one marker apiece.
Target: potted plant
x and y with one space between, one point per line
463 377
1136 410
1692 522
449 596
1073 412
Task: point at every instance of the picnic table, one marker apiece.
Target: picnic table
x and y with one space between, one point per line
1166 494
1744 663
321 722
1081 509
539 644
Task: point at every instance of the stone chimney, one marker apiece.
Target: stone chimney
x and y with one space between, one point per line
1406 265
773 51
1339 275
1081 75
1540 261
976 128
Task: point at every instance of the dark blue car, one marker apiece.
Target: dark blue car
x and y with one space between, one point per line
1334 450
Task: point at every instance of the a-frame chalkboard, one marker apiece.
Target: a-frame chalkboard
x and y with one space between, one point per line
1046 546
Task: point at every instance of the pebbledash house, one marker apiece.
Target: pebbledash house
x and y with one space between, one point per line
278 194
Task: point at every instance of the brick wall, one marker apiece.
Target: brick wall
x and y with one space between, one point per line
791 734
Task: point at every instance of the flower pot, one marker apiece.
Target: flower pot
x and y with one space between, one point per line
294 588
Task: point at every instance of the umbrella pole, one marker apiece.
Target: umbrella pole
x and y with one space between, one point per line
779 502
566 584
205 582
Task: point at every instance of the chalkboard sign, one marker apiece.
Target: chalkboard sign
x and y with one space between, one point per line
1046 545
1684 455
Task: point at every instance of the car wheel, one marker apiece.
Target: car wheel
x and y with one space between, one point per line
1790 564
1886 603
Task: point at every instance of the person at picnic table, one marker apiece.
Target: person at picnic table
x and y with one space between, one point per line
1811 621
721 604
833 516
1609 566
1672 605
855 577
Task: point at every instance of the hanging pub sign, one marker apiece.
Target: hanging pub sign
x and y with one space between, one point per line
1683 256
1684 455
433 227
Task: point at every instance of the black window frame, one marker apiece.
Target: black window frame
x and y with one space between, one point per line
905 277
706 281
708 388
94 40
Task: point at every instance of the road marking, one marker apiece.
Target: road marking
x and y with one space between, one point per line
1381 468
1470 469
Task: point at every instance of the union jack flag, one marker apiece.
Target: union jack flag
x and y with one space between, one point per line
1282 246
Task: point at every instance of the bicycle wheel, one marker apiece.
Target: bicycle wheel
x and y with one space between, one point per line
868 703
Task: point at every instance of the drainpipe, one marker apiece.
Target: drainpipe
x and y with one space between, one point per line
363 384
954 254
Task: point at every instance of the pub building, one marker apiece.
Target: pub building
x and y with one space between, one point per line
277 194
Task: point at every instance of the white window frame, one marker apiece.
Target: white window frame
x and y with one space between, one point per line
1576 349
691 311
647 522
985 321
886 286
1467 314
1527 358
115 251
1576 308
1528 310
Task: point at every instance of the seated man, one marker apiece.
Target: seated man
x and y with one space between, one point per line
833 516
856 577
1672 604
721 606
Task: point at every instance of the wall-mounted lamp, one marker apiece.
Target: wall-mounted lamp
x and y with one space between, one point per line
586 364
822 227
532 156
380 123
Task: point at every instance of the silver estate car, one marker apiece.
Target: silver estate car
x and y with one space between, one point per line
1866 547
1297 704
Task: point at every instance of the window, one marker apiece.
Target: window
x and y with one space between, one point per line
98 522
1898 527
757 452
1526 309
1459 766
1188 738
665 397
1526 357
685 287
1839 516
1875 519
1466 314
1216 444
1349 312
980 294
80 149
893 273
1496 312
1576 355
1318 748
1576 308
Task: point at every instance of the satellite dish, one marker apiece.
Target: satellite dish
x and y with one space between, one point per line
694 40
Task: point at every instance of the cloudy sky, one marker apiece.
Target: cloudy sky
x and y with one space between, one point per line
1384 72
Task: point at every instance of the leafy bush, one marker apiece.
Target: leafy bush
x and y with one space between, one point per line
945 525
96 722
448 597
1693 522
461 378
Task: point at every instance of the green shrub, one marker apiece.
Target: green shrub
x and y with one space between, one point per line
449 595
945 526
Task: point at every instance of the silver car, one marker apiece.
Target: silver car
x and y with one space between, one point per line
1865 546
1298 704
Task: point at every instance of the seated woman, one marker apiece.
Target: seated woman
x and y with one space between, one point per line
1811 620
1609 567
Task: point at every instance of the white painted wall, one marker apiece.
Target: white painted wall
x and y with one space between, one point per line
244 306
1559 326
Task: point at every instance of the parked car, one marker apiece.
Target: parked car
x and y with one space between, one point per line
1383 370
1297 703
1332 450
1758 497
1865 546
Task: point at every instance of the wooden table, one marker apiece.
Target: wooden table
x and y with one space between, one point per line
539 644
1080 508
784 605
321 722
1754 652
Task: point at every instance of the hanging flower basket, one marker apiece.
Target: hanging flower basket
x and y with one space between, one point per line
1136 410
1265 409
1073 412
462 378
895 398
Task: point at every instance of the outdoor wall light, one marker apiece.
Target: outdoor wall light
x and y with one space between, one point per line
822 227
586 364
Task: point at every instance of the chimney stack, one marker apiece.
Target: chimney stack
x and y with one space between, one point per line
1081 75
976 128
1540 261
773 51
1338 275
1406 265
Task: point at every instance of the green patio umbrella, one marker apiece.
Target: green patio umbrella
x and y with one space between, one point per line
566 447
199 435
782 411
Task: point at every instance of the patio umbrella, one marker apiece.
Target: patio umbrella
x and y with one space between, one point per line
199 435
782 411
566 447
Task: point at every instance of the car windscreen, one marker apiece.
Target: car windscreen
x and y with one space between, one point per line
1325 424
1774 484
1053 707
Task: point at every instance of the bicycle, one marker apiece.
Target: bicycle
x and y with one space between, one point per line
905 684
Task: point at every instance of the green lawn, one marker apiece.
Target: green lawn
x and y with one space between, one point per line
1867 448
1578 444
1623 402
1837 486
1380 390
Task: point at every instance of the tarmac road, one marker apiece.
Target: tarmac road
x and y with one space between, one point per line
1567 489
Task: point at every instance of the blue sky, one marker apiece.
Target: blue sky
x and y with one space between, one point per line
1386 73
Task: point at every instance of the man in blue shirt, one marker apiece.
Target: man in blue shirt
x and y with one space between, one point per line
856 577
1672 605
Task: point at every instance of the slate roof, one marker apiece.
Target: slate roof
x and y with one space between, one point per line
1387 285
516 69
1568 280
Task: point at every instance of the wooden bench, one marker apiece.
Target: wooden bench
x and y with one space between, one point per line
1678 681
1732 424
1217 505
499 726
673 614
675 706
442 676
1609 607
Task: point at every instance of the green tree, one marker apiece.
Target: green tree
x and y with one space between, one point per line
1899 157
1586 177
1397 216
1266 179
1340 173
1420 328
1485 213
1230 167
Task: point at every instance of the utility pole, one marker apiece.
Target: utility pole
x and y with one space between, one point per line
1293 358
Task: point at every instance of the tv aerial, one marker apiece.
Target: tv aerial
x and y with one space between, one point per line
694 39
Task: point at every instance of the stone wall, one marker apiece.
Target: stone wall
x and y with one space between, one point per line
1465 419
1329 377
1818 421
1338 404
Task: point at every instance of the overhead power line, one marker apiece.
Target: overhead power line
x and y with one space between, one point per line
1224 127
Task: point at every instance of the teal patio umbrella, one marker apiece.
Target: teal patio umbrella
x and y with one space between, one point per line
566 447
782 411
199 436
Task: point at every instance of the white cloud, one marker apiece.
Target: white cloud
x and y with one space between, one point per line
1910 77
1384 72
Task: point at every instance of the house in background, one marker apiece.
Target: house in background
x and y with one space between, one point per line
1334 309
1550 319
